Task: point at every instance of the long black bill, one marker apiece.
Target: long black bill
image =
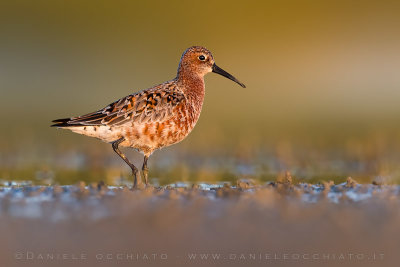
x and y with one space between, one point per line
220 71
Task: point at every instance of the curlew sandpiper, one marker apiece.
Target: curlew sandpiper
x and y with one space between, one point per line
152 118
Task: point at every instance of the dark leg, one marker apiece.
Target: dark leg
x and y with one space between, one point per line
135 171
145 170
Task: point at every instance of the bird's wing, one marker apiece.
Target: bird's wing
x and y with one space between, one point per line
146 106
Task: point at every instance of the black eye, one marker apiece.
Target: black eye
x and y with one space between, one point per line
202 57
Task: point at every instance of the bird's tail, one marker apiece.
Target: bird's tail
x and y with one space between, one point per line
67 122
91 119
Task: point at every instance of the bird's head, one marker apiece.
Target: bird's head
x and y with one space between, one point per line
198 60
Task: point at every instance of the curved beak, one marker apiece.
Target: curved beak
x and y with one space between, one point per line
220 71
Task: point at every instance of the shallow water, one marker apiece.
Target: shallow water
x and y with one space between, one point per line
278 224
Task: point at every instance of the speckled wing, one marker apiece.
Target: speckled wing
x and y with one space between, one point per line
145 106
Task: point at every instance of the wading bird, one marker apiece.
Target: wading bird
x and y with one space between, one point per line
155 117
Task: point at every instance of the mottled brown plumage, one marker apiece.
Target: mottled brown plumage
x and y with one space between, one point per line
156 117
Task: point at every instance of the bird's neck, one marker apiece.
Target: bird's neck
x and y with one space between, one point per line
193 87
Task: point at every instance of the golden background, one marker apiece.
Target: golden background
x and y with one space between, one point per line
321 100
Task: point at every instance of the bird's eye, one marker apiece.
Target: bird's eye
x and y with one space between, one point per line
202 58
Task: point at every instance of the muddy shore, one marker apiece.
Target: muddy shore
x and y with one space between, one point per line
273 224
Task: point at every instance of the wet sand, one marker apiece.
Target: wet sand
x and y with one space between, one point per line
271 224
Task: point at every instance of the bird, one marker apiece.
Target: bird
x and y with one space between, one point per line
153 118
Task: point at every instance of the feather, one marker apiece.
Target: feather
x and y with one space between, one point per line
153 105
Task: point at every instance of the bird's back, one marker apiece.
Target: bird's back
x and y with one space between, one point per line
148 120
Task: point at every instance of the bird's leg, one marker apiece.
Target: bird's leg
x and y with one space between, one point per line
145 170
135 170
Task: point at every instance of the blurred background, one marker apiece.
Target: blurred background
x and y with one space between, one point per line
321 99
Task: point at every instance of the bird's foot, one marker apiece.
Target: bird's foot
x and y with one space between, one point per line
137 181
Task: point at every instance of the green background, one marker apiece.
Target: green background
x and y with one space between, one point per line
321 99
